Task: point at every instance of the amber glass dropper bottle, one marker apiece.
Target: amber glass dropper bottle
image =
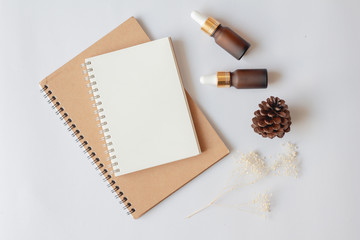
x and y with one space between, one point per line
241 78
224 36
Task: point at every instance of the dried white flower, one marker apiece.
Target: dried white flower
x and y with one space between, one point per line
251 165
287 164
261 205
250 168
262 202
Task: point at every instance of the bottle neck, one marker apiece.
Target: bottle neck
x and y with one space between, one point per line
223 79
210 26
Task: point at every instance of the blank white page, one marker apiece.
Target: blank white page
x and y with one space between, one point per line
142 106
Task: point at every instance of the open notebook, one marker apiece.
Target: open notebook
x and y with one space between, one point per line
142 106
142 190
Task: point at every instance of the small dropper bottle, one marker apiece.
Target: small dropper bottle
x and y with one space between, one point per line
241 78
224 36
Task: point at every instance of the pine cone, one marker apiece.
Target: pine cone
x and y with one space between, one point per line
273 119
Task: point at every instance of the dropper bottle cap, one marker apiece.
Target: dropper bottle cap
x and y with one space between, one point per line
220 79
208 24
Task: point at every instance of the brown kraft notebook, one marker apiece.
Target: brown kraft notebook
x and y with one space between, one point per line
139 191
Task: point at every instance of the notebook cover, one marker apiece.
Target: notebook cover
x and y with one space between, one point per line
142 190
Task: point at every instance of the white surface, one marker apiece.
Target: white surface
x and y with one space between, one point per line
49 190
145 106
209 80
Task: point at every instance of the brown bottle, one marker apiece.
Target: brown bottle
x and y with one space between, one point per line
224 36
241 78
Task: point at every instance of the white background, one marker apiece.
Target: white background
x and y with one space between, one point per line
49 190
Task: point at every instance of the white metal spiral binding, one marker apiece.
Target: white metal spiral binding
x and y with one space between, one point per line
103 169
95 96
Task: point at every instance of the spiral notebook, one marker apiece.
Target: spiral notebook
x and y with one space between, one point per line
140 191
142 106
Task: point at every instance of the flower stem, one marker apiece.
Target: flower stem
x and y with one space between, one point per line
213 201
